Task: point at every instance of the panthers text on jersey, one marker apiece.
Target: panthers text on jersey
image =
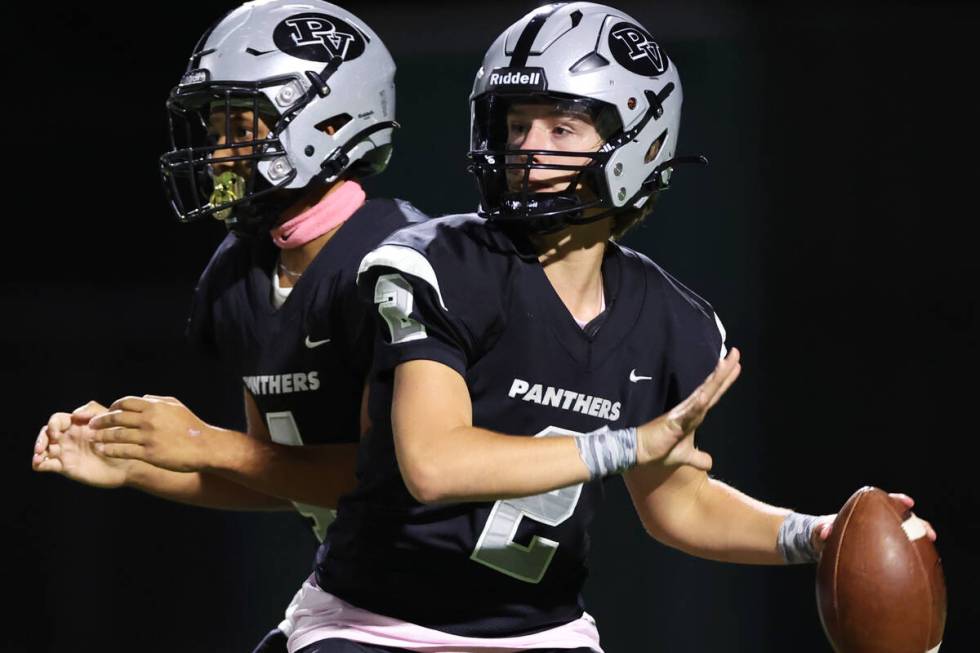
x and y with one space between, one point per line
465 293
306 362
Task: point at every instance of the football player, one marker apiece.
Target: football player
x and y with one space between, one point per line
525 356
283 108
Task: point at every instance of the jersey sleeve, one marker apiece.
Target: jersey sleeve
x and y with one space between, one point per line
200 329
347 314
430 304
699 342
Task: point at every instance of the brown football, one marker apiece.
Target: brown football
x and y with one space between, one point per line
880 585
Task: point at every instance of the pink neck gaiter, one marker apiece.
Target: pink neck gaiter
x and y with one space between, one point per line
329 213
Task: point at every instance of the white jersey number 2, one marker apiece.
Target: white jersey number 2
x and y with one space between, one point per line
393 295
283 429
496 547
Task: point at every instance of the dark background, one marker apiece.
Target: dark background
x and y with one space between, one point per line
833 232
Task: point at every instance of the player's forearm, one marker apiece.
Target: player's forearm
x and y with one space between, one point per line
474 464
444 458
317 475
727 525
199 489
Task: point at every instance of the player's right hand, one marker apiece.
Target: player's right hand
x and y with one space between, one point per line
64 446
669 439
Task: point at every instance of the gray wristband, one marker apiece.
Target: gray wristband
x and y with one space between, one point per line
607 452
794 540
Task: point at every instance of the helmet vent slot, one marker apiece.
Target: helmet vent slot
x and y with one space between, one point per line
655 148
588 63
334 124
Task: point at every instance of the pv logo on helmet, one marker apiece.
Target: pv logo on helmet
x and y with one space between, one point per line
318 37
310 31
635 50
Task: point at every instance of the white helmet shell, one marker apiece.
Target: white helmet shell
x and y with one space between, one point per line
598 53
322 81
269 39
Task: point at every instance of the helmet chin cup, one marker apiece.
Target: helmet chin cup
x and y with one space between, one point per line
541 212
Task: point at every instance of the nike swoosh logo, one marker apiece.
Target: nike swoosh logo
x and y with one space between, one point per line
313 344
634 378
257 53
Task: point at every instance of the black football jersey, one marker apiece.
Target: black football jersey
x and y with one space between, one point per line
463 292
306 362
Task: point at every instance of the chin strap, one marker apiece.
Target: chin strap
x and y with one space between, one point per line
659 179
338 160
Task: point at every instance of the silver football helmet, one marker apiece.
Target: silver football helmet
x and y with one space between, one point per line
317 76
580 57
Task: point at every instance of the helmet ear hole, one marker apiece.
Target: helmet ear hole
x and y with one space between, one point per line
655 147
334 124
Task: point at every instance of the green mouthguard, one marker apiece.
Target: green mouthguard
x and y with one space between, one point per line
228 187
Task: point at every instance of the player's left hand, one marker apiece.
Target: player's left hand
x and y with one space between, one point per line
825 525
158 430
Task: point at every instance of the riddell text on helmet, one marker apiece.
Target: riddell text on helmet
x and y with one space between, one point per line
531 78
